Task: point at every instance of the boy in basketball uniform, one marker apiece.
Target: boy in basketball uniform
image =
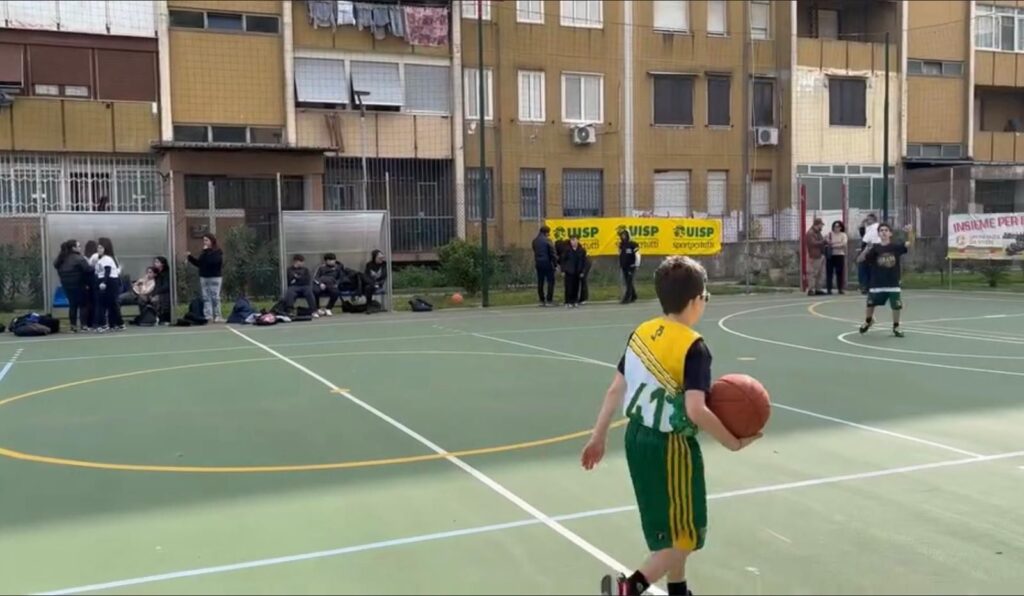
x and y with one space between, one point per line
665 374
883 260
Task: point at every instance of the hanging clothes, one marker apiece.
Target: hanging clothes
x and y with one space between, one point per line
381 18
364 15
346 12
321 13
396 20
426 25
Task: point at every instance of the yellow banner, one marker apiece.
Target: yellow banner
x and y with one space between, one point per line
654 235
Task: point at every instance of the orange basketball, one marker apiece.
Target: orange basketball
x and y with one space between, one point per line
742 404
456 298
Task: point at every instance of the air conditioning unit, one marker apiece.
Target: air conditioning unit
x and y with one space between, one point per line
766 136
584 134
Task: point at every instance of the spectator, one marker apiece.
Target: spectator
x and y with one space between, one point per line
814 242
584 286
574 266
328 280
374 277
544 261
141 290
300 285
75 274
91 292
629 260
836 264
868 237
210 264
161 296
108 277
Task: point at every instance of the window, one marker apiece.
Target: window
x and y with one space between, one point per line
265 136
12 65
582 13
760 193
61 66
997 28
846 102
128 76
672 193
471 86
935 68
764 102
76 91
760 19
531 96
428 89
718 101
530 11
828 24
228 134
673 99
46 90
718 188
320 81
582 193
188 19
473 193
261 24
935 150
582 98
717 17
671 15
224 21
190 134
379 80
531 193
469 9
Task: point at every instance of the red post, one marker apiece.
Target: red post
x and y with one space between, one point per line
800 233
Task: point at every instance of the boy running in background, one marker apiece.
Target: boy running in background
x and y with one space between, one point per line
666 373
883 260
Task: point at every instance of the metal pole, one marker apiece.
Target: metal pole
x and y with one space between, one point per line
173 248
282 281
949 261
482 180
387 235
747 128
362 135
885 137
211 198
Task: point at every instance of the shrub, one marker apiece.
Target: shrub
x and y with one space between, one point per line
994 272
418 277
461 265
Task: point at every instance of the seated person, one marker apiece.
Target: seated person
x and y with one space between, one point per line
160 298
329 278
375 276
140 290
300 285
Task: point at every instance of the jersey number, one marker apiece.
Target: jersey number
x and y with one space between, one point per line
658 397
658 333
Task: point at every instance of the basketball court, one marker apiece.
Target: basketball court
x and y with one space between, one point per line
408 453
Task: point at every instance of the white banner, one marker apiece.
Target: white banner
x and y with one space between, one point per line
991 236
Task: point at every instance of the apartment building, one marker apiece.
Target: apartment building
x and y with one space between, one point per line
78 108
590 108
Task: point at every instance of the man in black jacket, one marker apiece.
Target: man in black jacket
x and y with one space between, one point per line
544 260
329 277
300 285
629 260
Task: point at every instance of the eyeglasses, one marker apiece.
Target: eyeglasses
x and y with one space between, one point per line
706 296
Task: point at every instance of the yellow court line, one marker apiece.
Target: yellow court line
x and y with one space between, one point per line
60 461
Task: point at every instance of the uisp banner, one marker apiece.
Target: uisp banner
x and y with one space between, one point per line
654 235
991 236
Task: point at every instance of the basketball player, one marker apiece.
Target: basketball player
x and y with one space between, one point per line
883 260
666 373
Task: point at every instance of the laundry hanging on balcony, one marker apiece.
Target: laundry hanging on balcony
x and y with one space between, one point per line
426 25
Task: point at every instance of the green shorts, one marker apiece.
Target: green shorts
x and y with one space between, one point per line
894 299
668 480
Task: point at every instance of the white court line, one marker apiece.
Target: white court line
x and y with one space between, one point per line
10 364
968 334
516 500
843 338
775 404
515 524
722 325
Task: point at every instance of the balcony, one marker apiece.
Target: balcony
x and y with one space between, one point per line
999 124
847 35
37 124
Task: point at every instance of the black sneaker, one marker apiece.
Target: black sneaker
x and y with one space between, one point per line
896 332
864 328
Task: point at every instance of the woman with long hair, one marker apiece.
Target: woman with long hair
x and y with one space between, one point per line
210 263
74 273
108 278
835 265
91 304
162 291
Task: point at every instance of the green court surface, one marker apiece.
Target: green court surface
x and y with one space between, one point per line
438 453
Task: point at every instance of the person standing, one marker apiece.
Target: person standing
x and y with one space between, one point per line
884 259
868 236
836 264
108 278
544 260
814 242
210 264
75 273
629 260
573 266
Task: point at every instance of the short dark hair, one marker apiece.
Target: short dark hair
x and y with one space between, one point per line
839 222
330 257
545 230
677 281
884 225
299 258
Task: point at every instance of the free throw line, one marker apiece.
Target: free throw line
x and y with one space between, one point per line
516 500
516 524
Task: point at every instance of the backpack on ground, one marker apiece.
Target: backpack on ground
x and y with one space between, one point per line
241 311
418 304
147 317
195 314
31 330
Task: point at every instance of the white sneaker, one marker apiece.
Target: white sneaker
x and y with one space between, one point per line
321 312
328 313
218 320
316 315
